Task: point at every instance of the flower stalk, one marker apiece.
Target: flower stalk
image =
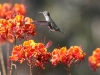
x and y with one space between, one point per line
2 61
30 69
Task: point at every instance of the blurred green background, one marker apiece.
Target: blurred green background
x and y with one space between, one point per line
80 19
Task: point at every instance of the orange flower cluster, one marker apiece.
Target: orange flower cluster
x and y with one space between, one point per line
17 27
67 57
94 59
7 9
33 53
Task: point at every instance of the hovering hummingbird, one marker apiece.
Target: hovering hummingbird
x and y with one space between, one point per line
49 22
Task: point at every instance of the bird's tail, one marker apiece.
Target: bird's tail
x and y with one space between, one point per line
62 32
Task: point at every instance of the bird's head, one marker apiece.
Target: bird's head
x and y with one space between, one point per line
45 13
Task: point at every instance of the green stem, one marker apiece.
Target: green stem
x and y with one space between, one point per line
30 69
10 73
8 62
14 67
11 68
2 61
68 70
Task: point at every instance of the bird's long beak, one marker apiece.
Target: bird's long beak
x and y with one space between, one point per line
40 12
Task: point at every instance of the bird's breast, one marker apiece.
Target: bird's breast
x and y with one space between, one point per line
47 18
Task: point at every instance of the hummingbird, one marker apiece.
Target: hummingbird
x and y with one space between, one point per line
49 22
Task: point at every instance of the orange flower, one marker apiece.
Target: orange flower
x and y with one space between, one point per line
1 13
41 55
29 29
20 8
7 10
18 54
58 55
15 28
5 33
67 57
76 52
14 24
94 59
55 57
33 53
29 43
19 18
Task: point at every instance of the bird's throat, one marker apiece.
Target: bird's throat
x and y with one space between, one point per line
47 18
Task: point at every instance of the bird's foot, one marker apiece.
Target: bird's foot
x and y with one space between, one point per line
50 31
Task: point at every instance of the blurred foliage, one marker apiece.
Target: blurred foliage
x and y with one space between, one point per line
80 20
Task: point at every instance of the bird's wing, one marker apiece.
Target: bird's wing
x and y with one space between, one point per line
45 23
40 23
53 23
